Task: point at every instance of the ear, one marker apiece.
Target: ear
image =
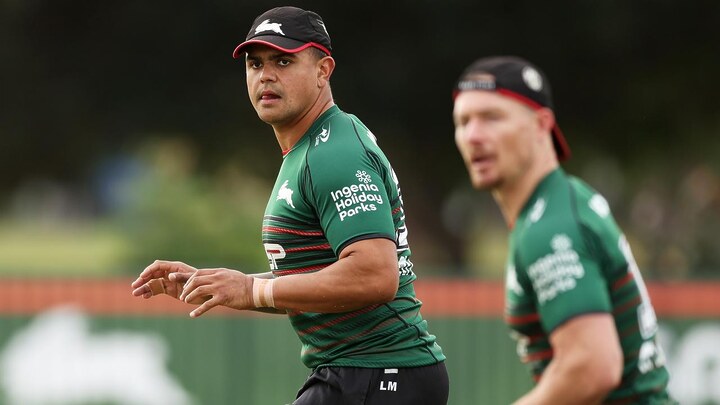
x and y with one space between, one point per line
545 120
326 66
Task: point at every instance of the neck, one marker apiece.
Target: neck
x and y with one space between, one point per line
288 134
512 195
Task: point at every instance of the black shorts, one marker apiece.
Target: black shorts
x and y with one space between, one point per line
426 385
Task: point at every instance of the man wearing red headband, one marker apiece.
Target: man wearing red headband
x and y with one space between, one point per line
575 299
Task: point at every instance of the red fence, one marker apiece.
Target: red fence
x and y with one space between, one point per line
441 297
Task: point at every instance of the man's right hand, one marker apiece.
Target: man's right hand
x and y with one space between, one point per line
154 280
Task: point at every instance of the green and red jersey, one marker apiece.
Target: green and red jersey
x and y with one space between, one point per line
567 258
336 187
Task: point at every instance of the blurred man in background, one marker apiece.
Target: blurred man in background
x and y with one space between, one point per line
334 233
575 299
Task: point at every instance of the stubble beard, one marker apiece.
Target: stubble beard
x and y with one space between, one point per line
484 181
484 184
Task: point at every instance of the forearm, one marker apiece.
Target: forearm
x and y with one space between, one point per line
587 363
349 284
302 292
267 276
560 385
366 273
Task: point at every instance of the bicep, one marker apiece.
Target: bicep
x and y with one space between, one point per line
380 250
591 340
373 262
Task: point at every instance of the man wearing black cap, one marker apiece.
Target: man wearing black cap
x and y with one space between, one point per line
334 233
575 299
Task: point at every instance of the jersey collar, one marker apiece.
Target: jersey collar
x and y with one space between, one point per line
315 127
541 190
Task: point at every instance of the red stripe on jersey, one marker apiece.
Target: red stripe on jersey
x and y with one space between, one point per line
306 248
518 320
633 399
396 210
336 343
346 340
298 270
622 281
536 338
277 229
542 355
630 330
335 321
628 305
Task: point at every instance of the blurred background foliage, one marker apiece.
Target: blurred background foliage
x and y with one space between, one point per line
126 134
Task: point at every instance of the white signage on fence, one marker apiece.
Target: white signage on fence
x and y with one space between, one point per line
694 363
56 360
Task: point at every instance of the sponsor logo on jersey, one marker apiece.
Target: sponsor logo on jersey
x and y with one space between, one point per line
650 356
323 136
363 177
274 252
537 210
523 342
285 193
357 198
268 26
556 272
511 281
404 264
647 320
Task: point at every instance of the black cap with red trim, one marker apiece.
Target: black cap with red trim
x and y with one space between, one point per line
288 29
513 77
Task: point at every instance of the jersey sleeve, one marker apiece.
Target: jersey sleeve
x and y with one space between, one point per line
345 183
565 275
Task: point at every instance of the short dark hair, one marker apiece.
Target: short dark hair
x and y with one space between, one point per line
318 53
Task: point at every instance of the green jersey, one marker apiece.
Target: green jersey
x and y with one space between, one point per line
336 187
568 258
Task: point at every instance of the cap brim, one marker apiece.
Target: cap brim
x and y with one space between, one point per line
284 44
562 149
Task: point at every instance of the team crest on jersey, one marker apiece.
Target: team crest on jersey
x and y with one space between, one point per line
285 193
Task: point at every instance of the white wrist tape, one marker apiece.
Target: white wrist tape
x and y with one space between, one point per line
263 293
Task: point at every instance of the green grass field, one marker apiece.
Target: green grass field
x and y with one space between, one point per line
35 248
